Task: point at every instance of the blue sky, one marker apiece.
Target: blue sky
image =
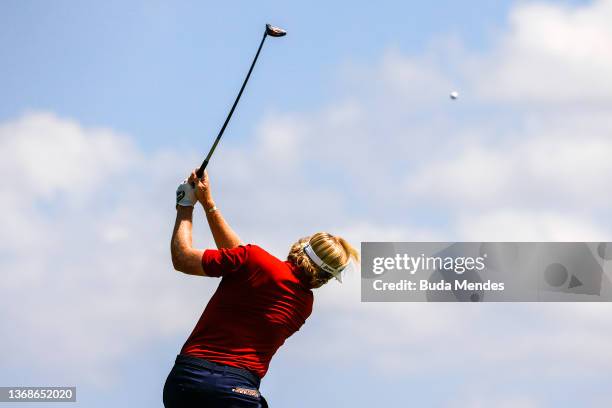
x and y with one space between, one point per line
346 126
165 71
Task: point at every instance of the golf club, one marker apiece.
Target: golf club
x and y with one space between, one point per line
270 31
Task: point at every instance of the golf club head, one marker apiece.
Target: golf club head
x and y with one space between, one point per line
275 31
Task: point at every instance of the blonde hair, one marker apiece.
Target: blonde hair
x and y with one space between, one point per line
334 251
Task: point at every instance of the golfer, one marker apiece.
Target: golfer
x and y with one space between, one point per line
260 302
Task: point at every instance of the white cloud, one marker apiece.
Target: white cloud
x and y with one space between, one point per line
552 53
423 77
484 399
511 225
86 268
542 168
47 155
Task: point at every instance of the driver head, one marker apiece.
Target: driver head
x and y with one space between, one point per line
275 31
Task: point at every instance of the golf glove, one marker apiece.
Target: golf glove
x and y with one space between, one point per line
185 195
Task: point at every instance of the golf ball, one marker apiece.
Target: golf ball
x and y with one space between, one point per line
454 95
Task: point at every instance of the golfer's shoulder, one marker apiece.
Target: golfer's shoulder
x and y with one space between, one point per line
256 251
261 257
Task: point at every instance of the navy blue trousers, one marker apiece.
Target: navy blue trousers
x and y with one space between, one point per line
194 382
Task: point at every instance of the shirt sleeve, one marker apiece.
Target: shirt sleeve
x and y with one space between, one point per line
221 262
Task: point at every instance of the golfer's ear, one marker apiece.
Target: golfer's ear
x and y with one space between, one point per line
189 261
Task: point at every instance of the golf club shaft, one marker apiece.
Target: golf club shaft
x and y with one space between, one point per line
200 171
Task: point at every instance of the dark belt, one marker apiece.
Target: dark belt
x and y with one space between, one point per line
200 362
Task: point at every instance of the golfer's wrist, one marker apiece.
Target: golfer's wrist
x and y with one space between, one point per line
184 209
208 205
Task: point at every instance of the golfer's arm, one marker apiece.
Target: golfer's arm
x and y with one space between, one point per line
224 235
185 258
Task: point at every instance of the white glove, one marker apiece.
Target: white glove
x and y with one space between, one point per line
185 195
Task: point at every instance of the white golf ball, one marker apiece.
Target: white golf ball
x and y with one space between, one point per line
454 95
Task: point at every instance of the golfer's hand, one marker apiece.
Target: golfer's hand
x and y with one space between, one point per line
202 189
185 195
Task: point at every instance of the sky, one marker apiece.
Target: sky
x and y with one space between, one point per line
346 126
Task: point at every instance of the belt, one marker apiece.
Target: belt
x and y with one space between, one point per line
200 362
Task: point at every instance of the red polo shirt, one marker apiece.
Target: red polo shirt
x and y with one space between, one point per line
259 303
